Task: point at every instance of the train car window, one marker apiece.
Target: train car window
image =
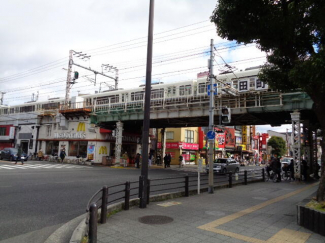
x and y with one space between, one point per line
17 110
102 100
114 99
202 88
252 83
243 86
27 108
157 93
50 106
185 90
5 111
124 97
12 110
235 84
171 91
137 95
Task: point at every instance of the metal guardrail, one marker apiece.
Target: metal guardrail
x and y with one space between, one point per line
126 191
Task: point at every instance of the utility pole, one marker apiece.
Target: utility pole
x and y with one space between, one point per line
146 118
69 83
211 120
1 98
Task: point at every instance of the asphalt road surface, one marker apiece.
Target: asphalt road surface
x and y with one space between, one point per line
39 197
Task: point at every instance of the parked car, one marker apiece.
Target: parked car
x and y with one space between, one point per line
0 154
224 165
11 154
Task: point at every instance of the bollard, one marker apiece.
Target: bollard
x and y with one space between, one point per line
93 223
148 191
263 174
245 177
230 179
103 214
127 196
186 186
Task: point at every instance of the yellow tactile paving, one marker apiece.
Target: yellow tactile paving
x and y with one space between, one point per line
276 238
289 236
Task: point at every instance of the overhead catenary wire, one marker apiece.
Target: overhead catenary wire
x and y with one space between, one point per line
178 71
22 74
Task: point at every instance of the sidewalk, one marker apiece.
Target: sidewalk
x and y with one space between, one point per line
257 213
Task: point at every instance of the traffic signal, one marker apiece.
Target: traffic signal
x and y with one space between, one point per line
225 115
76 75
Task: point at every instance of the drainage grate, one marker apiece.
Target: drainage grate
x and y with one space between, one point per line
156 219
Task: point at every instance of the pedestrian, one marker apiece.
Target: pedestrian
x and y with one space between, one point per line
137 160
158 159
149 159
19 153
278 169
292 169
40 155
180 159
316 176
304 169
166 160
169 159
62 155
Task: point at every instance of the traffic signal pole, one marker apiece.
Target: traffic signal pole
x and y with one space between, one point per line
211 120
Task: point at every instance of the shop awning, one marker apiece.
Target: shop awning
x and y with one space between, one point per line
103 130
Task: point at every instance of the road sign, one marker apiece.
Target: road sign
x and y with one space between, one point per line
215 89
211 135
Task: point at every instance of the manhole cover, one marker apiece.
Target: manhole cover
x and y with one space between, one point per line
155 219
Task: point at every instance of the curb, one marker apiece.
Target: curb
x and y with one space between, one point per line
81 229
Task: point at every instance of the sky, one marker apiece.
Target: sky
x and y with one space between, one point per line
37 35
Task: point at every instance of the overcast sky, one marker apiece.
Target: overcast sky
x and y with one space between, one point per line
36 37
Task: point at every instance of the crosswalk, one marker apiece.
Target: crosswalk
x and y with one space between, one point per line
40 166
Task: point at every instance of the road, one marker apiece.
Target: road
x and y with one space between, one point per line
39 197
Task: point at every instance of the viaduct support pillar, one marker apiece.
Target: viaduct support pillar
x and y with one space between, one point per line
118 143
296 143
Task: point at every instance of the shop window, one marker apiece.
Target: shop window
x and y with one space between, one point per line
52 147
169 135
49 130
189 136
78 148
2 131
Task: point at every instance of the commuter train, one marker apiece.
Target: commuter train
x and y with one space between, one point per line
240 82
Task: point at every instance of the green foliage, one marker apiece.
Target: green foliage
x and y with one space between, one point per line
291 31
278 145
320 206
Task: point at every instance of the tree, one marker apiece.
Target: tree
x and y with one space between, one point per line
278 146
292 33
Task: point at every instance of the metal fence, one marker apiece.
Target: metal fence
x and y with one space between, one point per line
187 184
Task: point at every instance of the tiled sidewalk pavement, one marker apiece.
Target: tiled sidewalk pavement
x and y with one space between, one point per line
259 212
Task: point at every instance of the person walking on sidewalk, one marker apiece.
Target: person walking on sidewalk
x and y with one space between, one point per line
166 160
62 155
180 160
19 152
137 160
40 155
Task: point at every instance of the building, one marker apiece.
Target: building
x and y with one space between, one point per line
180 141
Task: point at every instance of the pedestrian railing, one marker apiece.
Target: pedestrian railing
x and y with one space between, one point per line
124 192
